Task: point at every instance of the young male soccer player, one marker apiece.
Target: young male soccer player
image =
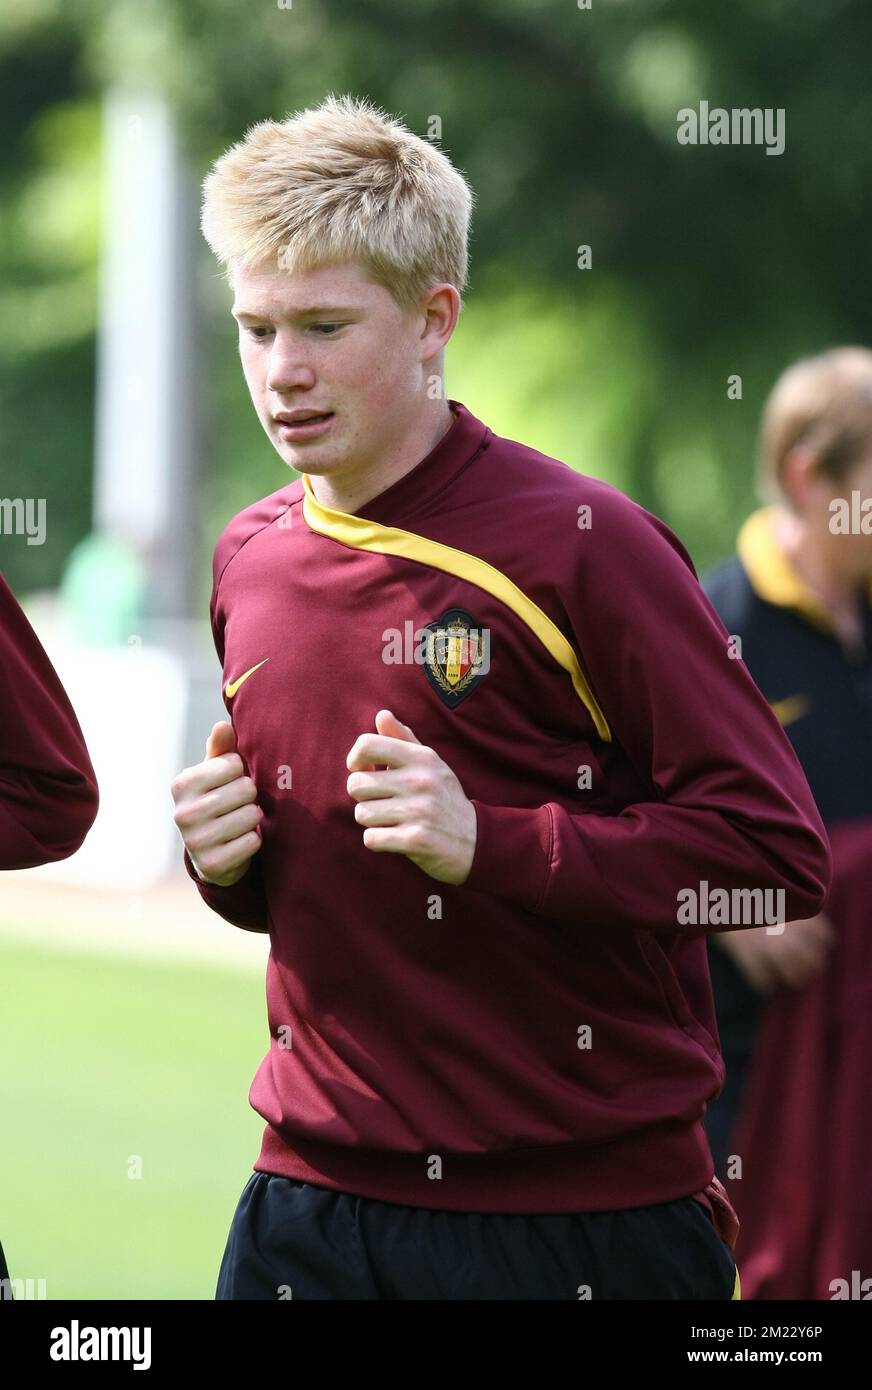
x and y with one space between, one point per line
485 730
48 791
795 1010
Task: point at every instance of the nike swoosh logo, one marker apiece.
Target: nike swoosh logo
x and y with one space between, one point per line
231 687
791 708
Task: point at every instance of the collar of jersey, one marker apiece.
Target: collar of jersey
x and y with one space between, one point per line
364 534
421 486
770 573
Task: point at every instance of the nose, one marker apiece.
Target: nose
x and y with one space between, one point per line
288 368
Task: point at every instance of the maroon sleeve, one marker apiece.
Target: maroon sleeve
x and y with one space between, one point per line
728 803
243 904
48 790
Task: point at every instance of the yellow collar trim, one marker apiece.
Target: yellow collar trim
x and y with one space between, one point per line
357 531
770 572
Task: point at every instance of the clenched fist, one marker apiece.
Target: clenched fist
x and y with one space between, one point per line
415 806
217 812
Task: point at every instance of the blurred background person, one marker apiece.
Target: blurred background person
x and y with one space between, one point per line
791 1132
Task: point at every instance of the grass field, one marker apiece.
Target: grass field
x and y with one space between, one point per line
105 1060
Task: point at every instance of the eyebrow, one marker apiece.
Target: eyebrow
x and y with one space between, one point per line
301 313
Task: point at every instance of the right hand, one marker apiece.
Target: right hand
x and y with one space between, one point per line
790 958
217 812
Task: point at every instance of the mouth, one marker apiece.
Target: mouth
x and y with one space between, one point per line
305 426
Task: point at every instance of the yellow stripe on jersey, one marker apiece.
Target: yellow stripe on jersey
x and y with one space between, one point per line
357 531
791 708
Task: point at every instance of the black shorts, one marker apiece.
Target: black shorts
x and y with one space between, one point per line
291 1239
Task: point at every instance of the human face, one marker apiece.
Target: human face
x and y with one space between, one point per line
844 555
852 549
332 341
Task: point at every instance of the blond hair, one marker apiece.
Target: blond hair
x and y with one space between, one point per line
824 403
335 183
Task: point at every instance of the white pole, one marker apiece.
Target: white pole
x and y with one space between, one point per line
147 389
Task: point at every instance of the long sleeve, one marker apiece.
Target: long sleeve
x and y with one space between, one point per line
728 800
48 790
243 904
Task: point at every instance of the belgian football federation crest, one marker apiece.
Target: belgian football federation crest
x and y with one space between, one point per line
456 654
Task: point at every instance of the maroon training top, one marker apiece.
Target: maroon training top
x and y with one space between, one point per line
48 791
541 1038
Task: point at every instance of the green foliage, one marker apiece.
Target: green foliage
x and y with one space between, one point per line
707 261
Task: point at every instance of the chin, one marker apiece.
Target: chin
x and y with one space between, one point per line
305 462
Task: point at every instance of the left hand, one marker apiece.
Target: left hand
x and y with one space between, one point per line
410 801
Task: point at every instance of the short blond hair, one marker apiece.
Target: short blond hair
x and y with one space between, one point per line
341 182
823 402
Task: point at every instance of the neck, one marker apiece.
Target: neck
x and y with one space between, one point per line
839 593
357 485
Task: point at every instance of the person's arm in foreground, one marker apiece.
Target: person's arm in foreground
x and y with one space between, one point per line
48 790
730 803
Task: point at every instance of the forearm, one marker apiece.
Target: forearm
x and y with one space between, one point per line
43 819
720 803
48 790
243 904
628 870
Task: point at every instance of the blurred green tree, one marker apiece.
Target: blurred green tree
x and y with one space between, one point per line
706 262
